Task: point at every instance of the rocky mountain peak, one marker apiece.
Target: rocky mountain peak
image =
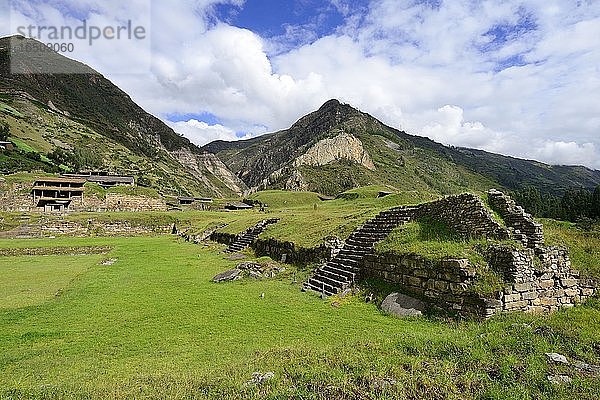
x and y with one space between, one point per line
329 115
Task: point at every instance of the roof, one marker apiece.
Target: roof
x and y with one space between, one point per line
103 178
60 180
110 179
59 188
186 198
1 142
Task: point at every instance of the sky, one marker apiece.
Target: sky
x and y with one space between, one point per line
516 77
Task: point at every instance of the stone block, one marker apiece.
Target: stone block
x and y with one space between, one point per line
421 273
548 301
457 288
567 283
442 286
587 292
516 305
523 287
414 281
529 295
546 284
571 292
509 298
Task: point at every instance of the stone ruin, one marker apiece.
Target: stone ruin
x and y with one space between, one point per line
537 278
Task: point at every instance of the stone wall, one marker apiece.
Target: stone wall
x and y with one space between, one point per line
445 284
466 214
289 252
49 227
282 251
538 283
537 278
521 225
121 202
16 198
532 286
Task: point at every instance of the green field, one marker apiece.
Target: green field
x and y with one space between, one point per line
152 325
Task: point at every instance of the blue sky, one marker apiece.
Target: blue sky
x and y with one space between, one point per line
518 77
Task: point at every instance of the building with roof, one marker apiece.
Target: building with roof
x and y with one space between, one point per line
104 179
55 194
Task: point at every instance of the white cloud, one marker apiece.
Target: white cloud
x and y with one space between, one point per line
440 71
568 153
201 133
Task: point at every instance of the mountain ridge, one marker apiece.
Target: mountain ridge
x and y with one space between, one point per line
334 118
89 99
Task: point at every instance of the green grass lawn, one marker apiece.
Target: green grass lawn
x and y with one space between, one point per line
152 325
32 280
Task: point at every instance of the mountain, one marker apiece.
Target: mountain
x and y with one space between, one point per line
82 111
338 147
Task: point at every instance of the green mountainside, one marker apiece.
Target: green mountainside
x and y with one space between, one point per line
80 120
307 157
83 115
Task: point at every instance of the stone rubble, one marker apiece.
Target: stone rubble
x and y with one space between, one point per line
260 378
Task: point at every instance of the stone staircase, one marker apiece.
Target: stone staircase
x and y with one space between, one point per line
341 272
246 238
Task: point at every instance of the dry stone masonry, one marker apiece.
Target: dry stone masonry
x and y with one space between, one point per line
536 278
465 214
521 225
245 239
539 282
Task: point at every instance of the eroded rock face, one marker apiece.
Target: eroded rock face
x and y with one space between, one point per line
200 164
341 147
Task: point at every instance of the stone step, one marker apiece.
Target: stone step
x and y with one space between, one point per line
349 275
331 281
357 249
334 276
323 287
350 255
375 230
379 225
308 286
360 243
344 267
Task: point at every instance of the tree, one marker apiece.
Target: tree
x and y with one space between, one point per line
596 203
4 131
576 204
530 199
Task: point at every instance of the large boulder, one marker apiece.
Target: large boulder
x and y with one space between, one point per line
403 306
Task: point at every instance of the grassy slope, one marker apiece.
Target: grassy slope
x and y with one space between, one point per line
37 129
153 326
